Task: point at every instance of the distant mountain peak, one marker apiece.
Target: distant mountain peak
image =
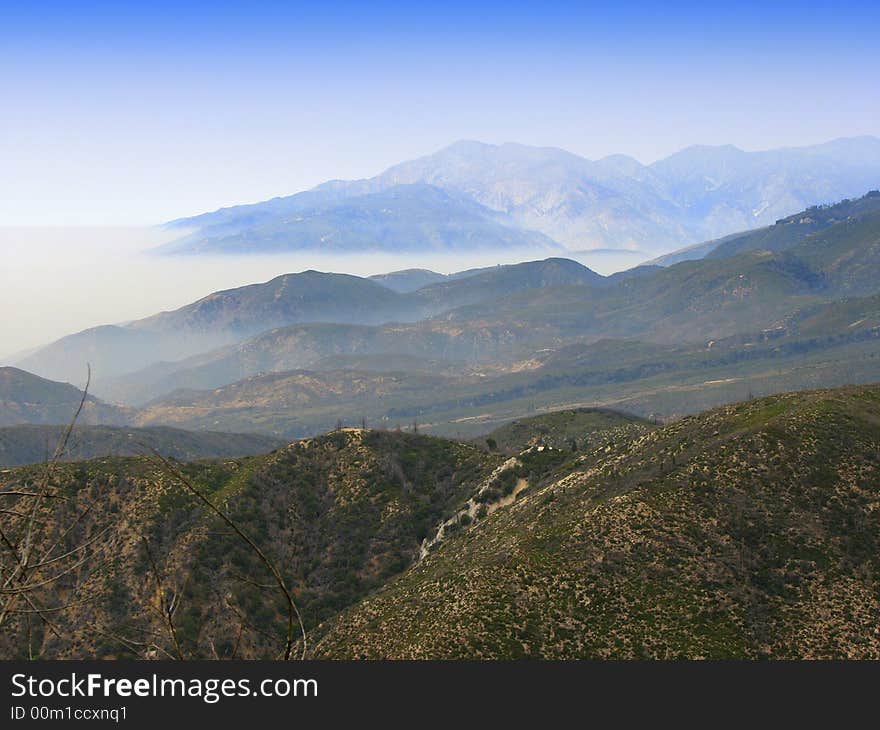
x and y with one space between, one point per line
466 145
545 197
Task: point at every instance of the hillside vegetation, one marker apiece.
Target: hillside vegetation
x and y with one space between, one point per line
748 531
752 530
339 514
574 429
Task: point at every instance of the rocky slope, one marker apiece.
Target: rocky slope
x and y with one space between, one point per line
749 531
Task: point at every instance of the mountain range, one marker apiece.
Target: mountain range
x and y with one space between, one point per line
31 444
782 307
229 317
400 218
524 461
472 196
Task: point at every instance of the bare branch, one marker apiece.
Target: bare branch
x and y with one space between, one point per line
167 612
293 615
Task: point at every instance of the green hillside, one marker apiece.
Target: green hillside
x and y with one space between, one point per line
792 230
748 531
577 429
340 514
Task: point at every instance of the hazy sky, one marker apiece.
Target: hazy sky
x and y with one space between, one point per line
124 114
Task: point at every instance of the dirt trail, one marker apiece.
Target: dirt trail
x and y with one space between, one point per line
508 499
472 505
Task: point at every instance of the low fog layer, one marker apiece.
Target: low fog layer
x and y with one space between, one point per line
57 281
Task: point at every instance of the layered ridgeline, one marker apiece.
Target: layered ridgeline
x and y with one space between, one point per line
27 398
472 195
227 317
29 444
465 352
219 319
658 341
748 531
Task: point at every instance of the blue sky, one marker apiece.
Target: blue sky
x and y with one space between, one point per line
125 113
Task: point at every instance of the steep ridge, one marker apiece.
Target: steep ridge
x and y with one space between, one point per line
339 514
784 234
748 531
796 229
28 398
400 218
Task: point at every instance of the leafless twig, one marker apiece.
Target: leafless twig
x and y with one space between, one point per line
293 614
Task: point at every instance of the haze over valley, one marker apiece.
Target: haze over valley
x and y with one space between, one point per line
783 306
469 205
439 331
93 276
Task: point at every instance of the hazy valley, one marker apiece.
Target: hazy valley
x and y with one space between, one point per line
783 307
522 460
